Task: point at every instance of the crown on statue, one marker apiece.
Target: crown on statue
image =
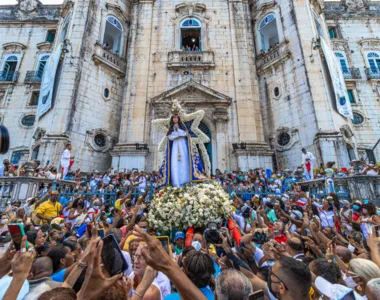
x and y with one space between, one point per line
176 108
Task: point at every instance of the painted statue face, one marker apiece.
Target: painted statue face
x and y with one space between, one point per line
175 120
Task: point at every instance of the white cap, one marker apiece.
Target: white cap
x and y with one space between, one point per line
333 291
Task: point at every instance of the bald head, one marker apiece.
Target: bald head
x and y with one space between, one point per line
42 267
344 253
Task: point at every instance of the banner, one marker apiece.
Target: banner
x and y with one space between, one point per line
342 100
47 83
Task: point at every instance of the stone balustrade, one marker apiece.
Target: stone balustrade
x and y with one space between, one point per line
183 59
109 59
358 187
272 57
22 188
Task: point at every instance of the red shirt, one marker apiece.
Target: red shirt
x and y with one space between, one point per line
279 239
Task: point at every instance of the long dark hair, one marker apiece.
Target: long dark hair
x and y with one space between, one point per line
181 125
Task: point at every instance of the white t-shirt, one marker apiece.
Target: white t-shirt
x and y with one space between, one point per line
161 282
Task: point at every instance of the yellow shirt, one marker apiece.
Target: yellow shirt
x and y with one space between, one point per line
118 205
49 210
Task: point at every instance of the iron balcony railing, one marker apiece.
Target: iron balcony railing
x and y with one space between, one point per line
351 73
373 73
33 77
9 76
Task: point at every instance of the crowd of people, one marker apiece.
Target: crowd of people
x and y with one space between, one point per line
278 246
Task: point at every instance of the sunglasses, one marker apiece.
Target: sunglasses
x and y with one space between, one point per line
280 281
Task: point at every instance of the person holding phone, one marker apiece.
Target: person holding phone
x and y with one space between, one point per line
50 209
160 286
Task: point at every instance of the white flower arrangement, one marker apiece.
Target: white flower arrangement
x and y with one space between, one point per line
191 206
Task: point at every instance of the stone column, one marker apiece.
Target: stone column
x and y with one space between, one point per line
222 161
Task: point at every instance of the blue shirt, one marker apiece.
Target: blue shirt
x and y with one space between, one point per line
59 276
206 291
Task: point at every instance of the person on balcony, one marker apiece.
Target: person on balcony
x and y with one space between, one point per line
307 163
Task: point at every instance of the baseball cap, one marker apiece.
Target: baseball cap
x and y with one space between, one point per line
335 291
179 235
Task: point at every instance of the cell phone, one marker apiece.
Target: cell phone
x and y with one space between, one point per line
48 162
358 236
377 230
165 242
101 233
88 229
258 295
17 233
112 257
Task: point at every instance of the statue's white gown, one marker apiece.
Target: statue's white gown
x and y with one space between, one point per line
179 160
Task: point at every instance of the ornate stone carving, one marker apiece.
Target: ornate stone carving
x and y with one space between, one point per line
39 133
28 6
354 4
190 9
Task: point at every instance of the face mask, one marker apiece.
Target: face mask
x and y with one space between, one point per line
271 293
96 207
108 221
144 229
350 282
355 207
4 221
278 175
237 211
365 211
197 245
62 225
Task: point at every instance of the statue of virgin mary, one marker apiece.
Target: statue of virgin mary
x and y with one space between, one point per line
182 163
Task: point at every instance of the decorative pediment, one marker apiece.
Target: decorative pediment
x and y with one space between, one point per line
192 93
45 46
190 9
118 11
370 43
14 47
28 6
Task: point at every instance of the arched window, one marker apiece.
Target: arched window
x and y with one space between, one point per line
374 62
9 68
343 62
113 35
191 39
41 65
268 32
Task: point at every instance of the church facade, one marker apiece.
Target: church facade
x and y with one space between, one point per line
256 68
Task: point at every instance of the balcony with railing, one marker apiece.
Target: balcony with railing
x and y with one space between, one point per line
8 76
351 74
274 56
33 77
373 73
183 59
109 59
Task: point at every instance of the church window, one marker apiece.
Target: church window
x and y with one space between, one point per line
28 120
106 93
276 91
357 118
65 28
113 35
34 98
351 96
374 62
16 156
283 139
268 32
343 62
100 140
333 33
8 71
191 38
50 36
41 65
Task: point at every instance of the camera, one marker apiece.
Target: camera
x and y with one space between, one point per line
4 139
245 211
212 233
260 238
